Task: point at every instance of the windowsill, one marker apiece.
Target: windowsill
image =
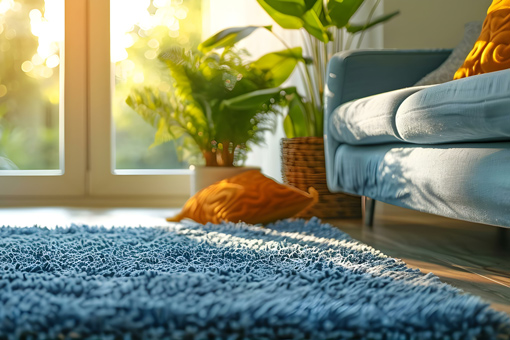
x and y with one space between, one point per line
97 202
145 172
64 216
21 173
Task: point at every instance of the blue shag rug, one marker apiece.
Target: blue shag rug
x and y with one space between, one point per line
290 280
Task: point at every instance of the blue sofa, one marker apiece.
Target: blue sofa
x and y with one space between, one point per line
441 149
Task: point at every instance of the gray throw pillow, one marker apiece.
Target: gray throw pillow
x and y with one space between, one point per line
447 70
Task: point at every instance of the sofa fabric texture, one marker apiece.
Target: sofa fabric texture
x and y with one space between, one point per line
471 109
467 110
463 181
447 152
369 120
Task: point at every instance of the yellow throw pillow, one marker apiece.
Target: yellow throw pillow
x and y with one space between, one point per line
492 49
249 197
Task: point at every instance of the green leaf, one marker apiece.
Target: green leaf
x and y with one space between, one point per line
319 9
180 62
228 37
358 28
341 11
278 66
284 20
255 99
313 25
145 103
296 124
291 7
163 134
288 127
310 3
318 116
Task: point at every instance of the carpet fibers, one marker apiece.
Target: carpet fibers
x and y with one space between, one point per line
290 280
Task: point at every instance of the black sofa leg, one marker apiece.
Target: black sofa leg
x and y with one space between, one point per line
504 237
368 210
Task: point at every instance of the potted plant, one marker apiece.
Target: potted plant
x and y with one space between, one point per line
327 28
220 106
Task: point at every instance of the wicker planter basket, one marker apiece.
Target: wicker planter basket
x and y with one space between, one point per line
303 166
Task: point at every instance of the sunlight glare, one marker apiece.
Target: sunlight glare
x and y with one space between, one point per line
49 30
136 17
37 60
53 61
27 66
150 54
6 5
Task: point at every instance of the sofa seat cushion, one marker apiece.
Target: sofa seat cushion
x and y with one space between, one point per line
471 109
465 181
370 120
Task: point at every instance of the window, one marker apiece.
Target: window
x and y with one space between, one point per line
66 134
30 42
106 174
63 146
41 124
140 31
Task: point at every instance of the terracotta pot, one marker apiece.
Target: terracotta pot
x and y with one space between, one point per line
203 176
303 166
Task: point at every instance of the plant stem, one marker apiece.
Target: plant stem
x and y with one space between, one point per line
210 158
341 40
349 42
325 60
318 65
226 158
372 12
307 43
306 76
317 60
300 70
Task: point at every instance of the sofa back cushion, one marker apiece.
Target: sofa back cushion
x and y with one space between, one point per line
492 49
471 109
369 120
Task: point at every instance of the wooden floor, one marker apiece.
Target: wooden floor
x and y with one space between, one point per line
473 257
469 256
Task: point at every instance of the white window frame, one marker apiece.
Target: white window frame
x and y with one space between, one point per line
87 175
70 179
103 178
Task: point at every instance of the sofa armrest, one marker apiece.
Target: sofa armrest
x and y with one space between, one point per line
361 73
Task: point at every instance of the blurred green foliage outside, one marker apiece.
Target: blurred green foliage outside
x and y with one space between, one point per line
29 85
30 35
164 24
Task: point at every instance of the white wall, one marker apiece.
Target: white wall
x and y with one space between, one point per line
430 23
374 37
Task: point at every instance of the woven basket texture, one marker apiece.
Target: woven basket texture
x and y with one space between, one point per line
303 166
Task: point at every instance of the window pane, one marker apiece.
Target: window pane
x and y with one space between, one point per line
31 34
140 31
